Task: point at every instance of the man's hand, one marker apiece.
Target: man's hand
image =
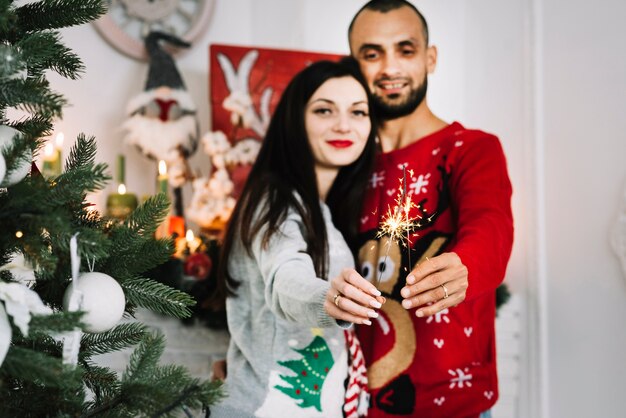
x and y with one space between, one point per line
441 281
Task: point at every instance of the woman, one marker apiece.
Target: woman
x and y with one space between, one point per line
288 355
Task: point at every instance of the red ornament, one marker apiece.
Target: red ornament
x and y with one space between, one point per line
198 265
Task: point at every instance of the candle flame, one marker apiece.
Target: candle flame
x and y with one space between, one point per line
121 189
189 235
59 140
48 150
162 168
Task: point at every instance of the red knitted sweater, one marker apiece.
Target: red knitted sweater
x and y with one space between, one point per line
444 365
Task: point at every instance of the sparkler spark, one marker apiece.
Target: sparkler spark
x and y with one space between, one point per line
397 223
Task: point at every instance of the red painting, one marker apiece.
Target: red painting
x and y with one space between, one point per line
245 87
251 81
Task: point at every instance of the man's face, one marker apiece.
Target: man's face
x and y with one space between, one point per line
394 58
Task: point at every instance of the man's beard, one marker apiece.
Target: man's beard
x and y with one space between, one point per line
386 111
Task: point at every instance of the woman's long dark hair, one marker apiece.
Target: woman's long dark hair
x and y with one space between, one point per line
285 165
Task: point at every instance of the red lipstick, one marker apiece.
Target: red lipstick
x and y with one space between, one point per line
339 143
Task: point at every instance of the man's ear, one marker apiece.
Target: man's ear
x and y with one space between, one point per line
431 58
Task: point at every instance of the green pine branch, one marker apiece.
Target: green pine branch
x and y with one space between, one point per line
127 261
191 394
89 217
34 128
145 358
147 386
32 95
39 368
102 381
73 185
12 63
56 14
158 297
16 154
40 343
45 51
58 322
7 16
147 217
122 336
82 154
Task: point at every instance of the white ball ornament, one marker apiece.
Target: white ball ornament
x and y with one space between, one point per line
23 163
103 301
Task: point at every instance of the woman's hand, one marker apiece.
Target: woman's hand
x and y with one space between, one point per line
218 370
352 298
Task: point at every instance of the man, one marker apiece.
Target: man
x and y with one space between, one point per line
431 353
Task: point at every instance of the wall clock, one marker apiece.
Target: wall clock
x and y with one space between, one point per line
127 22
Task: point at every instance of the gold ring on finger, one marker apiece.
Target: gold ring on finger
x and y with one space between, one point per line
336 299
445 292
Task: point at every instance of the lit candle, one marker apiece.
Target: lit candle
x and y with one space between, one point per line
49 160
121 169
163 178
52 155
180 245
58 150
192 242
121 204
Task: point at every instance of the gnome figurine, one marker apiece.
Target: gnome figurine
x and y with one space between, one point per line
162 120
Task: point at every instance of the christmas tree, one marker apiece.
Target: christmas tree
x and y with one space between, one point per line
310 373
53 321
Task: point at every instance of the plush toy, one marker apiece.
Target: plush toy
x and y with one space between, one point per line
162 120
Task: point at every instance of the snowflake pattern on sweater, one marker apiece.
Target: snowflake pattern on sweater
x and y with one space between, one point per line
443 365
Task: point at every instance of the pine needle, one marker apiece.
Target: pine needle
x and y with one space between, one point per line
55 14
121 337
147 293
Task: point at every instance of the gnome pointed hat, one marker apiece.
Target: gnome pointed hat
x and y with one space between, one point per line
163 71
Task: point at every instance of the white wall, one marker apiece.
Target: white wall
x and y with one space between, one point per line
546 76
584 98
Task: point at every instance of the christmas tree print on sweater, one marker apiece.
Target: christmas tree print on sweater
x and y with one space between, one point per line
310 373
295 394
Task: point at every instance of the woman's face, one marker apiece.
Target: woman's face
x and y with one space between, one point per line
337 122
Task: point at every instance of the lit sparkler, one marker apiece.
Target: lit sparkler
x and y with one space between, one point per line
397 222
